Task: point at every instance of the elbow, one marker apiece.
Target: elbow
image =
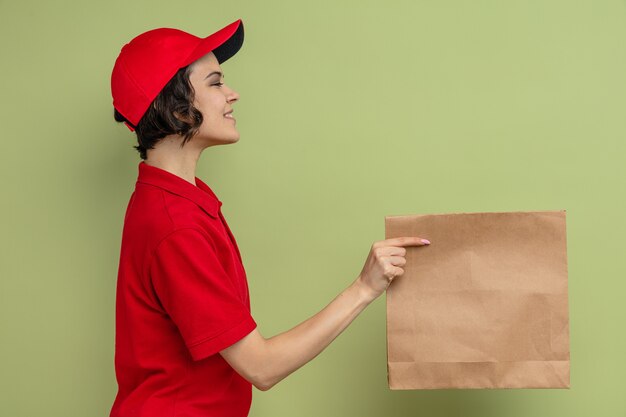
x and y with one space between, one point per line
263 384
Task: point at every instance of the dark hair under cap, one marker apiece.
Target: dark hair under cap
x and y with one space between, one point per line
160 120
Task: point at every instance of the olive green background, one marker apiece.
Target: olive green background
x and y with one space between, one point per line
349 111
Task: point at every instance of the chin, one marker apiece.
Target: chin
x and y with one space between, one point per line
234 138
228 136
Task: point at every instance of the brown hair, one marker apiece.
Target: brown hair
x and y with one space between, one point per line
171 112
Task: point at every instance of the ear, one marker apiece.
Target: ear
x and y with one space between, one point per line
182 118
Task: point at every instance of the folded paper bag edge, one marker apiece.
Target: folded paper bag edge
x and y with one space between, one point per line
396 216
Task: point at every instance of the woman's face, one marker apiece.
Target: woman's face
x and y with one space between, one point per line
214 99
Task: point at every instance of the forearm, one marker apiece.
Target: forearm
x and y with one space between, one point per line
292 349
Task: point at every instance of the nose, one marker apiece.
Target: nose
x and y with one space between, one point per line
232 95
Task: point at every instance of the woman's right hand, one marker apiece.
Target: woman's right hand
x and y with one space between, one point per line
384 263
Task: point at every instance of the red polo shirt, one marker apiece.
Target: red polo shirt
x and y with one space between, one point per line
182 296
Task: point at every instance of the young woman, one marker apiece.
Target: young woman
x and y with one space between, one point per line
186 343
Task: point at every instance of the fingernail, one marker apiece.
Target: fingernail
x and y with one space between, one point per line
426 241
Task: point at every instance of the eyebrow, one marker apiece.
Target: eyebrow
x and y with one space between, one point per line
214 72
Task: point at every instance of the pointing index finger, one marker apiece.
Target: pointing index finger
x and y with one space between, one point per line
407 241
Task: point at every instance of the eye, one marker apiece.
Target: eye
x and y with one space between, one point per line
220 84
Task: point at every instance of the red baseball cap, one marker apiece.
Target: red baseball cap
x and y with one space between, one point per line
146 64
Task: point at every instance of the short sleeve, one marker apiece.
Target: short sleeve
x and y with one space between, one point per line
196 292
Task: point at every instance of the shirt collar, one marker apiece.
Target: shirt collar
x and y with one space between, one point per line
200 194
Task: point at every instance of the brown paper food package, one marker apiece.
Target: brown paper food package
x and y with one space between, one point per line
485 305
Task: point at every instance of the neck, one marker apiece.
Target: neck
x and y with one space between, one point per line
169 156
